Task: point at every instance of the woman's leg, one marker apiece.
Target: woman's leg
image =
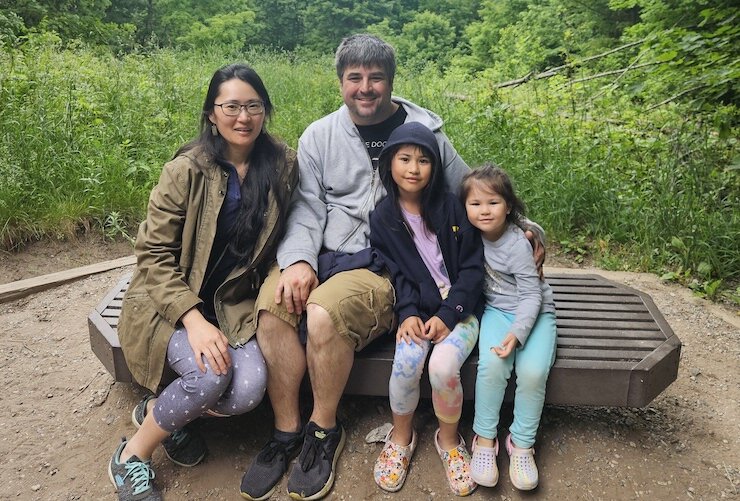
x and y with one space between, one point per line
533 362
493 372
193 392
248 382
184 400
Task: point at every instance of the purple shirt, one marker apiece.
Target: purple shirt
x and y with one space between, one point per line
426 243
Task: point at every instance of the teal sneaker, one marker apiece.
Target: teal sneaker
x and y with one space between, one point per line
132 479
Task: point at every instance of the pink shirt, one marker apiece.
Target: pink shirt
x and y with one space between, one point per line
426 243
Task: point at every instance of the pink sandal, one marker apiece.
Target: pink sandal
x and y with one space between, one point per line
457 467
393 463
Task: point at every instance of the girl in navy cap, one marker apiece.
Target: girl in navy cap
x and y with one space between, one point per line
436 258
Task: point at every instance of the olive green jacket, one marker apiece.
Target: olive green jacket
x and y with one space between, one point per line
172 251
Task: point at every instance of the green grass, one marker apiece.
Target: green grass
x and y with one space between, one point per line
83 136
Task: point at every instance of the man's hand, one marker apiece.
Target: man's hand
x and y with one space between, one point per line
295 284
506 347
411 329
538 250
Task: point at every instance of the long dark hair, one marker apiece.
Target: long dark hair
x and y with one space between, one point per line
265 163
494 179
432 192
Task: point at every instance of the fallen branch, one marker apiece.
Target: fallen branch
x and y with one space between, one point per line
608 73
554 71
674 97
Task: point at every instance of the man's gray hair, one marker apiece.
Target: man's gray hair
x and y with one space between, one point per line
365 50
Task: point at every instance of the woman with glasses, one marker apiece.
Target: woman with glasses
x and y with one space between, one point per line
187 321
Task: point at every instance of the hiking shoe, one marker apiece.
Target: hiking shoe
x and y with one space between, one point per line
483 468
522 468
185 447
268 467
132 479
312 477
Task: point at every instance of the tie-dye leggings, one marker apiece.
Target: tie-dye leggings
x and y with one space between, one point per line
193 393
444 372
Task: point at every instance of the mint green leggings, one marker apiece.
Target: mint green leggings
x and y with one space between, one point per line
532 363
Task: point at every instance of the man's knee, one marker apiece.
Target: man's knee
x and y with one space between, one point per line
321 328
270 326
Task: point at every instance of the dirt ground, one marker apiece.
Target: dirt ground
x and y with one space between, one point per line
62 415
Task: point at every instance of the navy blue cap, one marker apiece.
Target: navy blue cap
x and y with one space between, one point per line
413 133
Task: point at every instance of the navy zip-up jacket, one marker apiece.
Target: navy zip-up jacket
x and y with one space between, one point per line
417 293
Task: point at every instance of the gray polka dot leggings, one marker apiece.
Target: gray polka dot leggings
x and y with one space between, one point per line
194 393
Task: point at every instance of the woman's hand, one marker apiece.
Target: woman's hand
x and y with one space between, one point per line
436 330
207 340
507 346
411 329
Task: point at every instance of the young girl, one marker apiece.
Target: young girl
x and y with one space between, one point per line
517 328
436 259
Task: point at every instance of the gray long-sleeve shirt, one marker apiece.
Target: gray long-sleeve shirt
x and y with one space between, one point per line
512 283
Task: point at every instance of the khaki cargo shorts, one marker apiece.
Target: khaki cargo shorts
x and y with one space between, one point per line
359 302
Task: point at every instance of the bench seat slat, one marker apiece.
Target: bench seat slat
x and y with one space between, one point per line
111 312
561 281
589 298
591 354
606 324
626 308
592 291
599 365
643 316
609 343
611 333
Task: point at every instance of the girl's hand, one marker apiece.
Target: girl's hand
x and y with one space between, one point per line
507 346
410 330
436 330
207 340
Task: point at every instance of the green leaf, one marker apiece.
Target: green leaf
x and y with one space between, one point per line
677 243
704 269
667 56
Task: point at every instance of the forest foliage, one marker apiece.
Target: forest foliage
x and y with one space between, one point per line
617 118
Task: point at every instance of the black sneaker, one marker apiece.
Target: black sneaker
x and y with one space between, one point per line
312 477
185 447
132 479
268 467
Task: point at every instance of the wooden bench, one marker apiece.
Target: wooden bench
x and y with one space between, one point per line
614 347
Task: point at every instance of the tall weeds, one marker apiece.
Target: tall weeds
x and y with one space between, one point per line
84 135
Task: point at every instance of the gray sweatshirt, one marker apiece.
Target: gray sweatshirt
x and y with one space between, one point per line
512 283
339 187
